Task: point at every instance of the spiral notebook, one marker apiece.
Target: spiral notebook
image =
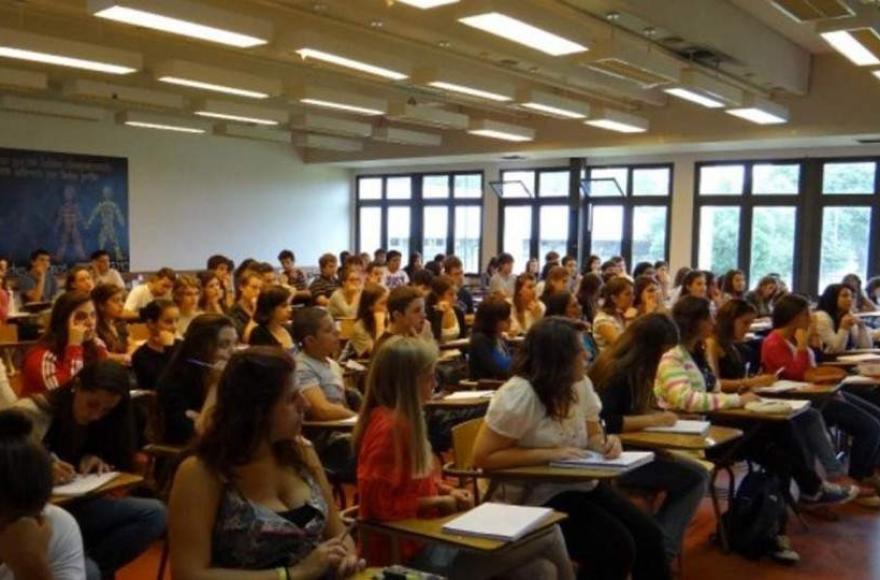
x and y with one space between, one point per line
84 484
498 521
626 461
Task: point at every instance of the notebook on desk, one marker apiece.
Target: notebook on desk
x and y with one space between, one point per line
782 387
683 427
466 395
626 461
858 358
498 521
84 484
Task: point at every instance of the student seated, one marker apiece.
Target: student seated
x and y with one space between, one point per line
272 318
38 540
267 273
186 296
207 345
222 267
453 267
413 265
249 285
395 276
694 284
647 298
374 273
151 359
862 303
733 285
661 269
836 326
488 356
101 271
588 294
396 477
527 309
571 266
370 324
344 300
38 284
556 281
211 294
609 323
79 279
444 315
88 425
406 316
158 285
564 304
68 343
6 304
291 276
326 283
551 259
549 411
110 326
503 281
422 281
624 378
253 502
762 296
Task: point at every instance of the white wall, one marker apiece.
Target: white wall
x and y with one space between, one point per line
191 196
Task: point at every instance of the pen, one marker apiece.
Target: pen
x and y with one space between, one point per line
604 433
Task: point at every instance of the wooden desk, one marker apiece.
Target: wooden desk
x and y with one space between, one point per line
122 482
338 425
717 435
813 392
743 414
459 343
548 474
434 404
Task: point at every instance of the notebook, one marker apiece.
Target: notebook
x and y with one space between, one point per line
684 427
858 358
464 395
860 380
84 484
782 387
627 461
498 521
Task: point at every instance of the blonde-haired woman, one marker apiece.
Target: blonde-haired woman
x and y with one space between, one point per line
396 477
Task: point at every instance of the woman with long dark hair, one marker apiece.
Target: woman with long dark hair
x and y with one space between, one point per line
489 357
110 326
836 326
441 307
609 323
588 294
527 309
372 315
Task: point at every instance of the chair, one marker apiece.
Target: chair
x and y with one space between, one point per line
464 435
346 327
138 332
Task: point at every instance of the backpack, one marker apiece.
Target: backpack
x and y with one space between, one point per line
756 516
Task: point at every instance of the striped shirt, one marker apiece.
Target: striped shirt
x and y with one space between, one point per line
680 385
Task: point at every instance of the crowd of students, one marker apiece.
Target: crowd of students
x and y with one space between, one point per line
239 357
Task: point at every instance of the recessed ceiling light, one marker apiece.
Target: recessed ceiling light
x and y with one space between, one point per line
761 111
213 87
339 100
345 62
427 4
553 105
523 33
67 53
456 88
694 97
216 79
612 120
853 45
150 121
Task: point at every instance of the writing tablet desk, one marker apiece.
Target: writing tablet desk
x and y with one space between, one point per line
337 425
469 403
122 482
815 393
716 436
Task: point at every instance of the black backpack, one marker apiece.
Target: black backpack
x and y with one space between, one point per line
756 516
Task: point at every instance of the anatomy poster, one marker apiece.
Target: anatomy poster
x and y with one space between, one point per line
68 204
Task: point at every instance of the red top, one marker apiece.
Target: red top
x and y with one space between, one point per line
5 299
43 371
388 491
778 353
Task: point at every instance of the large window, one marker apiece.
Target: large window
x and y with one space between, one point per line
436 213
626 212
535 213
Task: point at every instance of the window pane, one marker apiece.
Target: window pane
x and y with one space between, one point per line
370 222
553 184
467 236
370 188
654 181
848 177
606 187
527 178
769 179
649 234
553 230
607 230
435 231
399 188
719 238
398 230
844 243
773 242
722 179
468 186
435 187
518 233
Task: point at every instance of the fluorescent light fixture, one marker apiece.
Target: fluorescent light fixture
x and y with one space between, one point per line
197 76
340 101
853 44
705 90
254 133
322 124
503 131
307 53
406 137
453 80
523 33
327 143
67 53
86 89
427 4
553 105
694 97
761 111
22 79
240 113
52 108
635 61
876 73
186 19
612 120
427 116
811 10
163 123
470 91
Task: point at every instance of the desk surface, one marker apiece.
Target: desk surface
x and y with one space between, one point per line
746 415
548 474
717 435
122 482
338 425
432 531
458 403
811 391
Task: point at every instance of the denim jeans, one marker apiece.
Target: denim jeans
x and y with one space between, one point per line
117 530
861 420
815 434
684 482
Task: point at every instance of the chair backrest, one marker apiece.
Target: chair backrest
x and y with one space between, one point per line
463 437
138 331
346 326
8 333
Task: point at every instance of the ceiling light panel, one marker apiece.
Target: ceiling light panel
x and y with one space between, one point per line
635 61
327 143
198 76
810 10
20 45
187 19
503 131
254 133
704 90
338 53
761 111
522 32
322 124
406 137
454 81
553 105
52 108
86 89
860 45
427 4
23 79
427 116
162 122
339 100
227 111
618 121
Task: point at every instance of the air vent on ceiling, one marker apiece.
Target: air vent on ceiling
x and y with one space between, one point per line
811 10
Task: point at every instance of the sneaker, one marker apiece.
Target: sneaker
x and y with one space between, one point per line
784 554
831 494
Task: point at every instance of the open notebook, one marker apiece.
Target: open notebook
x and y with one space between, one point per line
782 387
466 395
683 427
84 484
858 358
498 521
627 461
